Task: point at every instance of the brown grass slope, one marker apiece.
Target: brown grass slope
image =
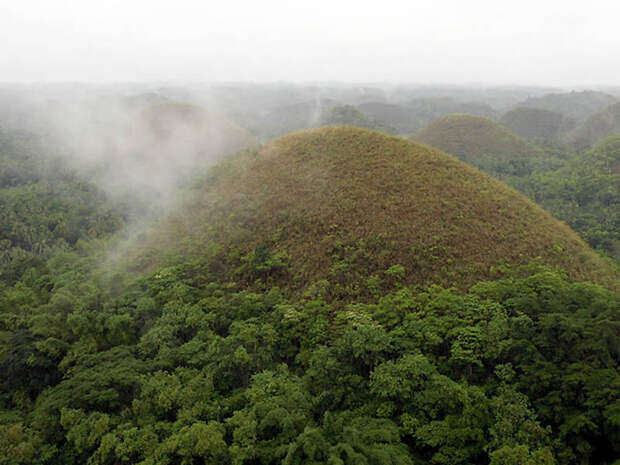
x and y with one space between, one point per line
348 203
476 140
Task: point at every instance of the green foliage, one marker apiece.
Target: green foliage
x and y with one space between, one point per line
185 368
44 206
228 356
584 193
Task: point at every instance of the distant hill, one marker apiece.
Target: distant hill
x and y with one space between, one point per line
533 123
595 128
349 115
574 105
483 144
344 203
292 117
402 118
413 116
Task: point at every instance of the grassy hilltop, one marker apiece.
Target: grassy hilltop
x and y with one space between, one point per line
343 199
483 144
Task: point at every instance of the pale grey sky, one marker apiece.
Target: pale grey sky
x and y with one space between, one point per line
546 42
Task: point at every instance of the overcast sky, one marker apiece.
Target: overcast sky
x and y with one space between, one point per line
548 42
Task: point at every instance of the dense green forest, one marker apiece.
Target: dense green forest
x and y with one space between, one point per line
46 206
585 193
214 352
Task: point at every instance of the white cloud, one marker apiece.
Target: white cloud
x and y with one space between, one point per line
542 42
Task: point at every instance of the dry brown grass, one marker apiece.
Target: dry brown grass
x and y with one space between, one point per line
481 143
394 201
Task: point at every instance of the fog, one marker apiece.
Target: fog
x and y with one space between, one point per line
556 42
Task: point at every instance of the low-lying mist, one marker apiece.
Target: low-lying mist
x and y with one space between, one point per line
142 149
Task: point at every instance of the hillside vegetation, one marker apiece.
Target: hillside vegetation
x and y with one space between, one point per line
45 206
585 193
295 311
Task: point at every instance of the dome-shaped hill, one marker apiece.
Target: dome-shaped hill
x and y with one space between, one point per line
533 123
481 143
351 116
345 204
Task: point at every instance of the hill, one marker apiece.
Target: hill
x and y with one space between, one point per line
595 128
483 144
414 115
345 203
533 123
400 117
574 105
349 115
